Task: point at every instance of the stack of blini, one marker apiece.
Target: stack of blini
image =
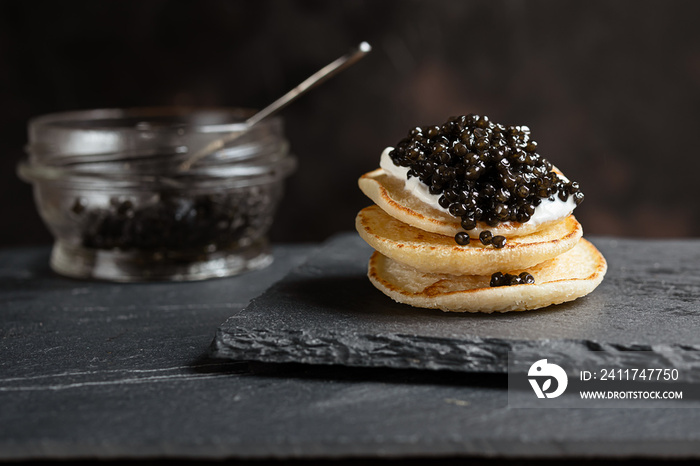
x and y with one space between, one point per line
417 261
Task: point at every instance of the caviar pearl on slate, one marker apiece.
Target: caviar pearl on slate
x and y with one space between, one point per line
484 171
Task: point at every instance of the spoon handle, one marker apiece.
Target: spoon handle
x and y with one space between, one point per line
315 79
312 81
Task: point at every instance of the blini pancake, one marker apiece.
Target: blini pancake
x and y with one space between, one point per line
430 252
571 275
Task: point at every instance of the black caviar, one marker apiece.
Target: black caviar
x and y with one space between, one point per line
462 238
486 238
175 222
498 241
483 171
501 279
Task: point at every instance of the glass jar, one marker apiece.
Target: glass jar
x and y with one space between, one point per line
110 187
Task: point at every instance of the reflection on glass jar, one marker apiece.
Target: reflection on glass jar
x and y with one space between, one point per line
109 186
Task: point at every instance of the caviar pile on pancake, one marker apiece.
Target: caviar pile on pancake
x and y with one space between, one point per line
469 217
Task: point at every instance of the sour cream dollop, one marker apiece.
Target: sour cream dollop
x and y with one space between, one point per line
546 212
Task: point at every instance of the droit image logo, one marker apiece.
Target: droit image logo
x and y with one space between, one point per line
541 374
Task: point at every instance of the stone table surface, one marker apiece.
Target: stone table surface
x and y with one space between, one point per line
93 370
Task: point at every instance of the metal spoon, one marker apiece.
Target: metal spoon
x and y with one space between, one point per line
312 81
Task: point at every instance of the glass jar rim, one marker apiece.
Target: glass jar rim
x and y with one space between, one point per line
233 176
84 136
149 143
107 118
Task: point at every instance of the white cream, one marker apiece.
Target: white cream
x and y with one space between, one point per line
414 185
547 211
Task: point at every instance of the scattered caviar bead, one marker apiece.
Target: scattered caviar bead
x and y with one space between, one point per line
485 237
500 279
462 238
514 280
498 241
497 279
578 198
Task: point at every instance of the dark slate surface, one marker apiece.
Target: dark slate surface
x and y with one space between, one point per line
327 312
113 371
60 328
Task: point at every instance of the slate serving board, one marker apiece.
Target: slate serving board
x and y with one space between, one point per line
327 312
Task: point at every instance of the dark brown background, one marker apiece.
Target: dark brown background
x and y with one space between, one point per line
611 90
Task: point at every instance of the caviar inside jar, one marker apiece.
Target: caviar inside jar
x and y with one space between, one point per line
175 221
482 171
